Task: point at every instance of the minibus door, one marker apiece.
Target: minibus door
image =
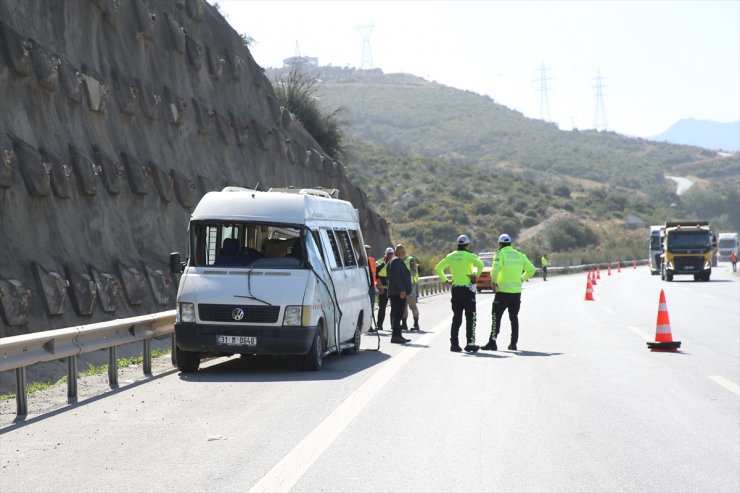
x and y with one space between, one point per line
327 293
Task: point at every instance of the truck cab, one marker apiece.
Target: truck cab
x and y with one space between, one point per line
687 249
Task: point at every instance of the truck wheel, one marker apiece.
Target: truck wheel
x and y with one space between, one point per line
315 357
187 361
669 276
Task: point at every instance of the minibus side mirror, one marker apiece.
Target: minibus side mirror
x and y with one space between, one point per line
176 266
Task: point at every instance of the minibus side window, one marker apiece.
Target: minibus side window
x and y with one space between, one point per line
358 247
331 248
345 246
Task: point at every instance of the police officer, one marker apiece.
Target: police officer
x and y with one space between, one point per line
464 266
544 263
382 267
510 268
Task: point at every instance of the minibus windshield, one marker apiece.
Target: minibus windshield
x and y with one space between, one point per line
242 244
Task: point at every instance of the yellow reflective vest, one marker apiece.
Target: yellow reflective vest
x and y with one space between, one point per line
461 263
510 268
413 269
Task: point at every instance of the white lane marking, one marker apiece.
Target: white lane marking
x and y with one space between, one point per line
731 386
640 333
286 473
608 310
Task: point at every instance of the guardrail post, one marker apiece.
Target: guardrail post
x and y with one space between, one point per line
72 377
147 356
173 353
112 367
21 397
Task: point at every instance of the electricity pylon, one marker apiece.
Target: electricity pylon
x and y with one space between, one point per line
544 101
367 54
600 122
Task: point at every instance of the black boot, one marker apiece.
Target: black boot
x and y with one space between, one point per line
491 346
416 324
398 339
404 327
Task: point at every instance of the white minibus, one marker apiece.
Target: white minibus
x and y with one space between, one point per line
281 272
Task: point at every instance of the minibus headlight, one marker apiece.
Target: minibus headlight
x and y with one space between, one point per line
293 315
187 312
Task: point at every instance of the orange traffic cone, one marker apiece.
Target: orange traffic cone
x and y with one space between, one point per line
598 272
609 266
589 292
619 266
634 264
593 277
663 338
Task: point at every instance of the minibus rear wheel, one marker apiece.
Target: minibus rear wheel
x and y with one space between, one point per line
356 339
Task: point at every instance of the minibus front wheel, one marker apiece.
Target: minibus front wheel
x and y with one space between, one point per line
315 357
187 361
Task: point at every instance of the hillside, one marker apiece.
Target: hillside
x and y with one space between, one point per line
438 161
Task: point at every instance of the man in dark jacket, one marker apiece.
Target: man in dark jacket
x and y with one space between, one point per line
399 285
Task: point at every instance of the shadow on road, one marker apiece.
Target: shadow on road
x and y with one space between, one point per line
21 421
281 369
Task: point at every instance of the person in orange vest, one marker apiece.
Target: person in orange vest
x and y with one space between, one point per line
382 266
733 259
373 273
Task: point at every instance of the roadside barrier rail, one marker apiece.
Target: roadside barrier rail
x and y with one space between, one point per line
18 352
430 285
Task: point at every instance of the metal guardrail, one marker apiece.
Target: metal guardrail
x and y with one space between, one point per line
430 285
18 352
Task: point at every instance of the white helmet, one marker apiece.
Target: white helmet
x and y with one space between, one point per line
389 251
504 238
463 240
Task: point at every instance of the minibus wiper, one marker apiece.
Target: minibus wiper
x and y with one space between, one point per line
249 290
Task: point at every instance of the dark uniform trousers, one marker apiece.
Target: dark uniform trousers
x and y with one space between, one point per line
397 305
501 303
382 302
463 300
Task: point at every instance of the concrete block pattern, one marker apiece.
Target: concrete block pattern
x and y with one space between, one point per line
156 102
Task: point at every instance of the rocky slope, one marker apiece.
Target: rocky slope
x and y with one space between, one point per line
116 117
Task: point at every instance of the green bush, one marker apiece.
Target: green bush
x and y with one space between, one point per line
296 91
569 234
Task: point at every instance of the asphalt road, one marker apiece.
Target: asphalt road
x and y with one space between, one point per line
583 406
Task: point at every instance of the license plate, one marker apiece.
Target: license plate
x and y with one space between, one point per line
689 267
236 341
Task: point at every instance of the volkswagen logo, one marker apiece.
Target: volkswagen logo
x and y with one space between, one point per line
237 314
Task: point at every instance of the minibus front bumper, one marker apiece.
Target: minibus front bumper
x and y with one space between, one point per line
231 339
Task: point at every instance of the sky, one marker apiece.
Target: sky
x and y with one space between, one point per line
653 62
